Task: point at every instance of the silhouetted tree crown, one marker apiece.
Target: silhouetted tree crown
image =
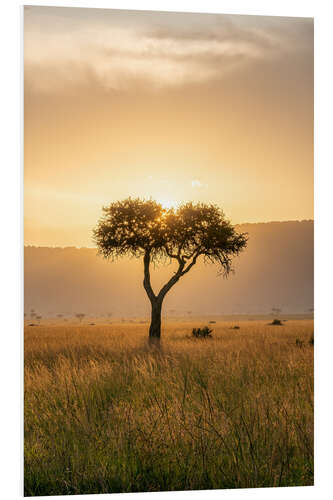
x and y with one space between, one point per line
136 227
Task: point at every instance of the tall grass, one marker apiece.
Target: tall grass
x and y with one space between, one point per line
104 413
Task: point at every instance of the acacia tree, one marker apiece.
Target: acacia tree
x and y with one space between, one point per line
80 316
144 229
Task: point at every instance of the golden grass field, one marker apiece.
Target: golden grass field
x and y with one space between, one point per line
105 413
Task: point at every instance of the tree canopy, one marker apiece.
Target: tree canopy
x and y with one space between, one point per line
136 227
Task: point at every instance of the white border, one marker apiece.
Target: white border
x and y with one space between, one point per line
12 234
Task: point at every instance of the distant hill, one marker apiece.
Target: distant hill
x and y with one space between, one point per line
276 270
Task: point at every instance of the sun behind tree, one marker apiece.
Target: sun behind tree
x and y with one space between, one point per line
143 228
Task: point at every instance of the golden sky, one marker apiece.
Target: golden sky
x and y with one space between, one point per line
177 107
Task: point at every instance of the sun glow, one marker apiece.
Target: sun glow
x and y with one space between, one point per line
167 203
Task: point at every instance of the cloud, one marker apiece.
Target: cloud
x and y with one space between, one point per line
198 184
124 57
66 47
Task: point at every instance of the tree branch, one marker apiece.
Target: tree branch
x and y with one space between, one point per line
192 263
180 272
146 281
187 257
172 281
173 255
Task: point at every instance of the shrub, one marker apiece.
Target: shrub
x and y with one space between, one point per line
276 322
235 327
80 316
311 341
299 343
202 333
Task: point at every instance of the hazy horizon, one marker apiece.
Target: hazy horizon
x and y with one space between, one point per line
275 271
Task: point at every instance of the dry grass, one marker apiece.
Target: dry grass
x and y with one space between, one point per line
104 413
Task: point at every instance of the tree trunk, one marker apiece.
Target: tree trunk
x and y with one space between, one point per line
155 325
156 300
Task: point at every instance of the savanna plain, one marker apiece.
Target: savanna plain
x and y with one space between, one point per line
104 412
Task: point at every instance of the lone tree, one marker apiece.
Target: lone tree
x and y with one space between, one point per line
80 316
143 228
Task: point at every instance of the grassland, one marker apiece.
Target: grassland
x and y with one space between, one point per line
104 413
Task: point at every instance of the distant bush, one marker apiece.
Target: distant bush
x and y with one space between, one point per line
212 321
311 341
299 343
202 333
80 316
235 327
276 322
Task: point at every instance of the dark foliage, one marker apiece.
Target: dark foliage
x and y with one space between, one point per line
202 333
276 322
135 227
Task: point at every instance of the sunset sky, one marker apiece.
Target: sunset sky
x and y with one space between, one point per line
177 107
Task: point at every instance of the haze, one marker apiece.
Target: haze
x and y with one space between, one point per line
276 270
176 107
